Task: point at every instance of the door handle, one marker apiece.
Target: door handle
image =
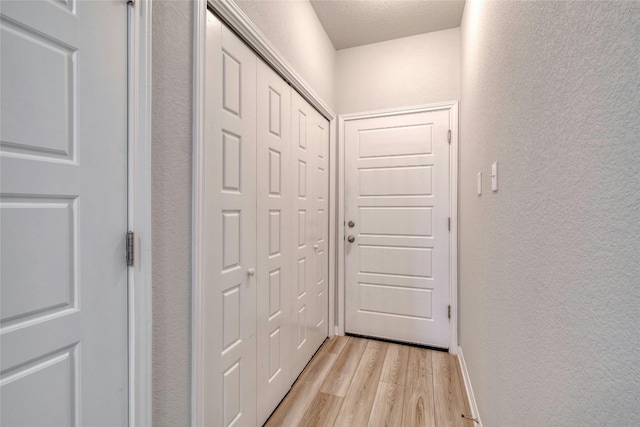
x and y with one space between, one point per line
251 272
351 224
315 247
351 239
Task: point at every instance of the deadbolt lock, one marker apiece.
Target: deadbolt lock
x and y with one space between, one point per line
351 224
351 239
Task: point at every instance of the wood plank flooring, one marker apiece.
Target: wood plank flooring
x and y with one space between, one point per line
356 382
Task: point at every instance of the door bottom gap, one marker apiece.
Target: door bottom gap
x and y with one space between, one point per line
411 344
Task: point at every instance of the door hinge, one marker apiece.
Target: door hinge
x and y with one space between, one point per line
449 312
130 247
449 136
449 223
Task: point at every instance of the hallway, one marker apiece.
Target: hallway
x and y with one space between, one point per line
358 382
548 288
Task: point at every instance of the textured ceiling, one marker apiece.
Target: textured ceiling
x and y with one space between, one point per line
352 23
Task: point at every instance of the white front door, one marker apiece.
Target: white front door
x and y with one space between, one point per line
63 203
397 210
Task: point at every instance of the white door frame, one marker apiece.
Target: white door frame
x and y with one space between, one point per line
138 205
233 17
139 211
452 107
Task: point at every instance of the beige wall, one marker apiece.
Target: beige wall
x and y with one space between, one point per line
409 71
294 30
550 264
171 211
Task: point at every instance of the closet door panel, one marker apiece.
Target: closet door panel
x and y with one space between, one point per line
229 294
238 191
276 225
303 343
319 133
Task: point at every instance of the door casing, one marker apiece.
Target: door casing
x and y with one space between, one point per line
139 211
452 107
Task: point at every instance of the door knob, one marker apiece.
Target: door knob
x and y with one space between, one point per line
351 224
251 272
351 239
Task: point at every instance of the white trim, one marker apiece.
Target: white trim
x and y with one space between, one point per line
453 170
400 110
139 212
453 234
333 237
234 17
198 380
340 237
467 386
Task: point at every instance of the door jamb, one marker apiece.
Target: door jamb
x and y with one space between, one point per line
453 208
139 276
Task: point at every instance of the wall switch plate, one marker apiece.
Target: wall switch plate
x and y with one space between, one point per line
479 183
494 176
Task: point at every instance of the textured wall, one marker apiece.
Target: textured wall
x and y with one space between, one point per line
171 204
294 29
397 73
550 265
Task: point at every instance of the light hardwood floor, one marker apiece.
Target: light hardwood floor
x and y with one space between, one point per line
359 382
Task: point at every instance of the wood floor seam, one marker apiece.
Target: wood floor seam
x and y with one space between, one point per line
330 394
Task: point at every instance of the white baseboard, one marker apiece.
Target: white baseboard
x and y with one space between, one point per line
467 385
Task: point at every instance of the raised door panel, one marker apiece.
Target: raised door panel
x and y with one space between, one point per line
310 133
320 137
397 193
229 296
63 207
302 295
276 225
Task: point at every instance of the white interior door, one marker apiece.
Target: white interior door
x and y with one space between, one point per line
274 242
63 213
397 212
308 132
229 299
